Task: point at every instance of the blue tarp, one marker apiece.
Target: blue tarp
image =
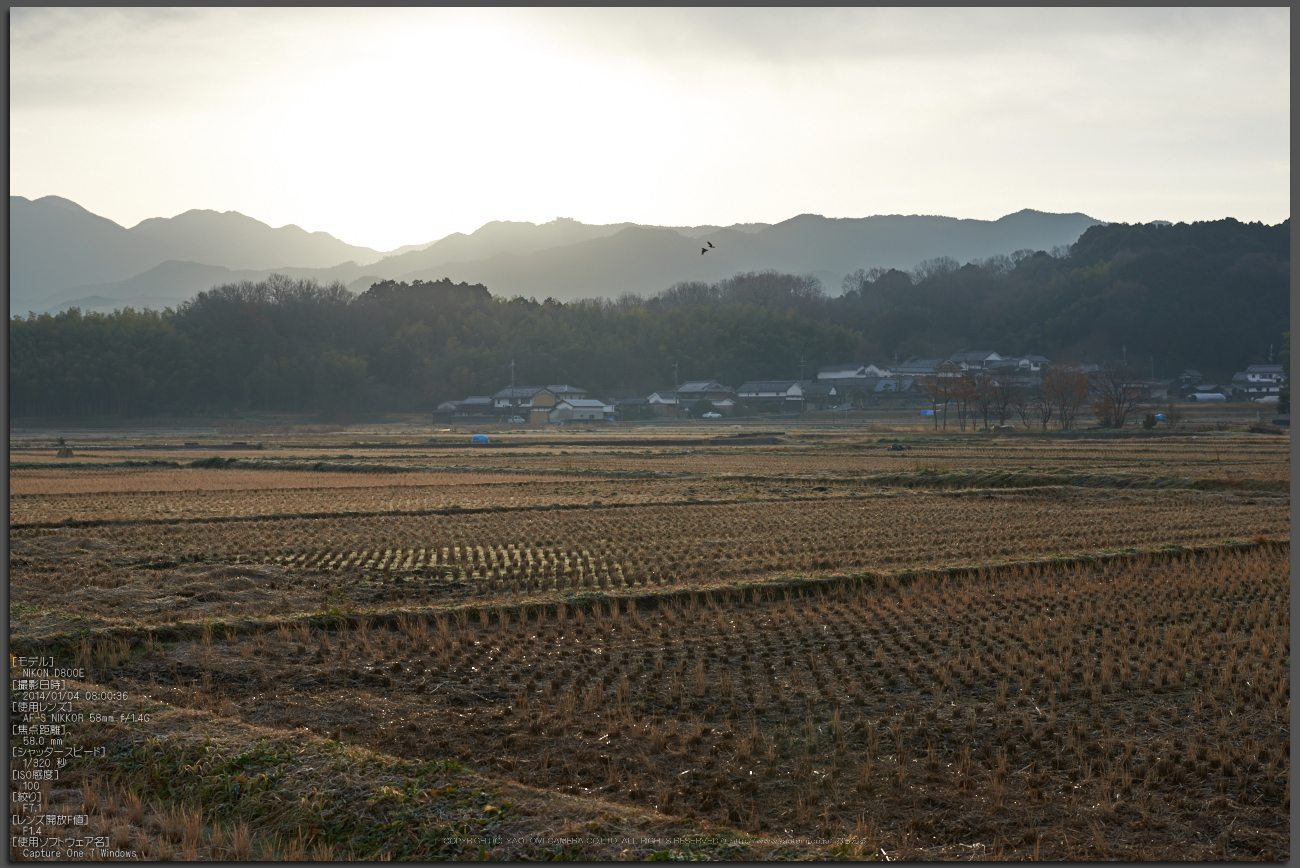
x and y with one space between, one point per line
927 412
480 438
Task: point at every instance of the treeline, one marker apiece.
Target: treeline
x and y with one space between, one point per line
1212 296
1205 295
295 346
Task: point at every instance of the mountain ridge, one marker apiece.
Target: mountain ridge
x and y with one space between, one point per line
63 254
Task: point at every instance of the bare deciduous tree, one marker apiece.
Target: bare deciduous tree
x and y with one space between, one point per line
1119 394
988 396
1003 389
936 389
1173 414
1040 407
1021 400
1066 388
965 392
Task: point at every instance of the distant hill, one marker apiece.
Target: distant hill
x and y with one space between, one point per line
60 251
64 255
496 239
644 260
54 243
235 241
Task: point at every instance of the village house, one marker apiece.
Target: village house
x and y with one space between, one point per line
820 396
723 398
852 390
517 397
1034 364
786 396
915 367
475 408
635 407
1189 381
522 399
1156 389
887 386
1259 382
474 405
1022 364
969 360
842 373
674 403
580 410
666 404
852 381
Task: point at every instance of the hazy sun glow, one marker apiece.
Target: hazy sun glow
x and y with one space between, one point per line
400 126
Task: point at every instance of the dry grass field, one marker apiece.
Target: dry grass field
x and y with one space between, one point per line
821 646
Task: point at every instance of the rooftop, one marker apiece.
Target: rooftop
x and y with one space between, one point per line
703 386
582 402
774 385
519 391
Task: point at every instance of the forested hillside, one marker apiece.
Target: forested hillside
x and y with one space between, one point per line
1208 295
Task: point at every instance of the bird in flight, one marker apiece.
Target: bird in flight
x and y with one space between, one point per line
703 250
710 243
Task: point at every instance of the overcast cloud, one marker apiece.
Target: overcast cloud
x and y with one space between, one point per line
399 126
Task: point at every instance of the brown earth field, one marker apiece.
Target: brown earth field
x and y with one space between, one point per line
820 647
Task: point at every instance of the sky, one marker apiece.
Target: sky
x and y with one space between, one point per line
395 127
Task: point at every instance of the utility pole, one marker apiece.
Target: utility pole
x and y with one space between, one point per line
801 364
512 373
1153 366
677 399
1124 354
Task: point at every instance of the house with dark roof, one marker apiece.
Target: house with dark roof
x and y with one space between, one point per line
673 403
580 410
786 396
705 390
477 408
1033 363
975 359
635 407
1189 382
475 405
886 386
1024 364
839 373
563 391
819 395
525 398
915 367
1258 382
517 397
